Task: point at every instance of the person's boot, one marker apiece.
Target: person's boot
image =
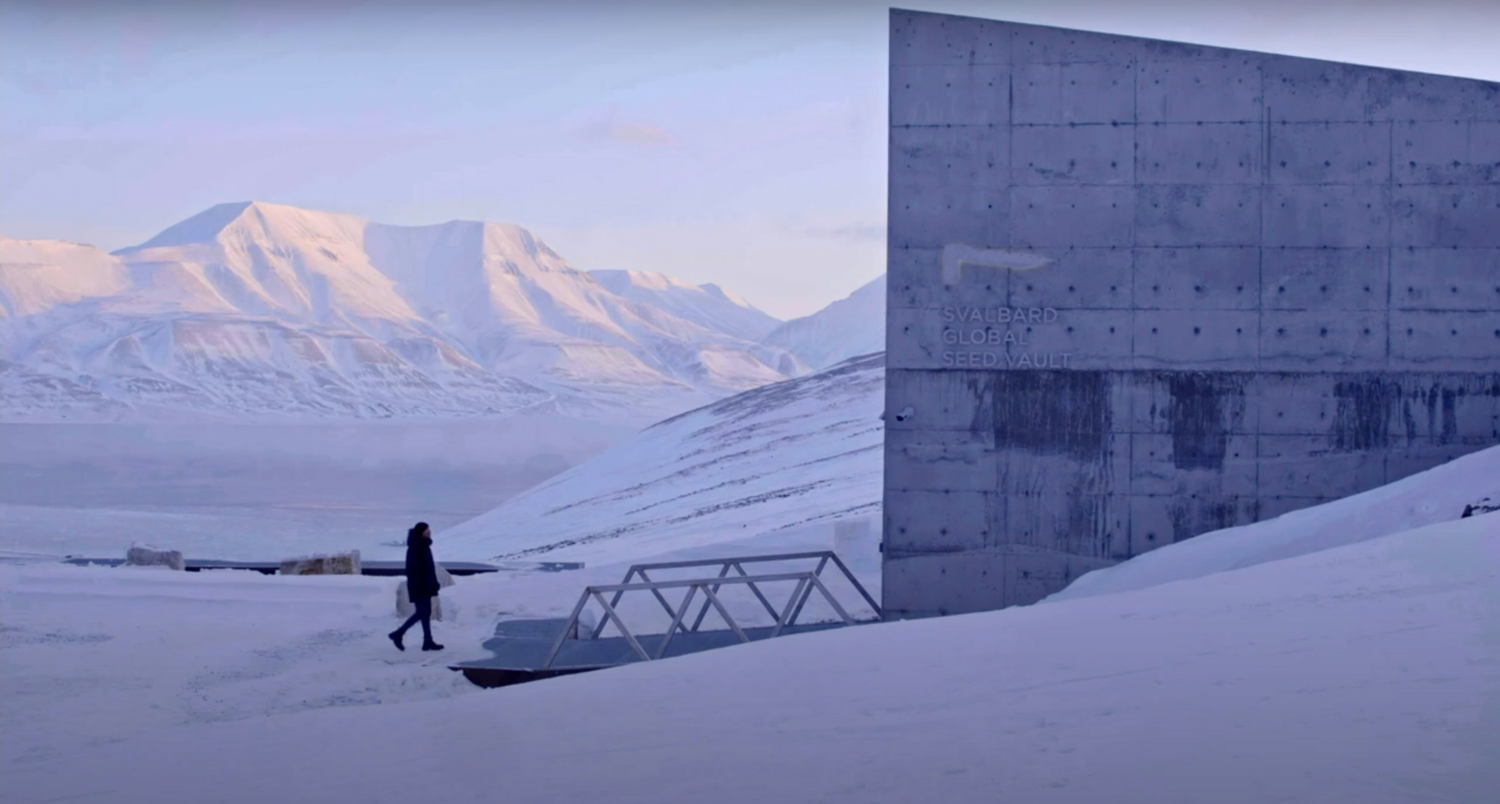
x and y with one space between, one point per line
396 638
431 646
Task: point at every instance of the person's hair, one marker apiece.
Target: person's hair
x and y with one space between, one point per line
419 529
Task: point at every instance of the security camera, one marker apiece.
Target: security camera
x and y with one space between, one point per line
906 413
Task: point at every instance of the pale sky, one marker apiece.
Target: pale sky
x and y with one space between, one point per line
742 143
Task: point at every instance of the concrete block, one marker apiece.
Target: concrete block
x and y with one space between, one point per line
1197 215
1331 216
1445 278
1312 340
927 213
141 554
1289 293
1197 278
1194 153
1071 217
1160 466
1080 279
1214 88
938 521
1446 152
1074 524
1033 471
1061 154
1293 465
1447 410
346 563
1150 523
922 38
1072 93
910 341
1330 153
1192 403
940 460
949 157
941 400
1446 216
950 95
1296 403
1196 339
1440 97
1038 44
1157 521
942 584
1308 90
1325 279
1055 413
1455 340
914 277
1035 575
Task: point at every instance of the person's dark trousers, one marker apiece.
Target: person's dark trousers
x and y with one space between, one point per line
423 615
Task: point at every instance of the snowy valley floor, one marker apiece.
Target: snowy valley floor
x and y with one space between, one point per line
1363 673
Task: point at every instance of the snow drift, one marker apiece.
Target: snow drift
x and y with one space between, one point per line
1365 673
1436 495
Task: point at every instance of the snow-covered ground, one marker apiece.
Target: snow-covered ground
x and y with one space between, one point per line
801 451
1364 673
1436 495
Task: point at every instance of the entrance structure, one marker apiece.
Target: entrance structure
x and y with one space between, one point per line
1140 290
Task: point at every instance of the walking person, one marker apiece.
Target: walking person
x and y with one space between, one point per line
421 585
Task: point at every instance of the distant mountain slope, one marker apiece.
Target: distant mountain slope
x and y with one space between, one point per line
253 308
850 327
709 306
799 451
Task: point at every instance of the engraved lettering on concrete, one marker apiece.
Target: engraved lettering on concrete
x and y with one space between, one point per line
1011 341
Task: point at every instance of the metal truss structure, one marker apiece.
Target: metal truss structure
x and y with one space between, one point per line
806 583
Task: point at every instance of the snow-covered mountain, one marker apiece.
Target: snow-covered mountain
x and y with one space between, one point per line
706 305
850 327
262 308
801 451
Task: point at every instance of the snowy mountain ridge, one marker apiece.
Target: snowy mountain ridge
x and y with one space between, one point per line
850 327
256 308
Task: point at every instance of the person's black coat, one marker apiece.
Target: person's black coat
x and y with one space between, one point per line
421 573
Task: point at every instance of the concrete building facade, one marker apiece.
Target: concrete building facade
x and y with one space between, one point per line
1140 290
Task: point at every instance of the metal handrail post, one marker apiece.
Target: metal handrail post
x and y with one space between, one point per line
599 629
858 587
787 612
762 598
806 593
664 604
723 612
583 600
687 602
629 637
836 607
703 612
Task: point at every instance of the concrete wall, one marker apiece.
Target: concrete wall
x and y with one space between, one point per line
1202 287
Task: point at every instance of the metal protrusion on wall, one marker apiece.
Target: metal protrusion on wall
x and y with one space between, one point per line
957 256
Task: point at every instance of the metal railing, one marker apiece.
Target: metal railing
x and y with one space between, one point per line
807 582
